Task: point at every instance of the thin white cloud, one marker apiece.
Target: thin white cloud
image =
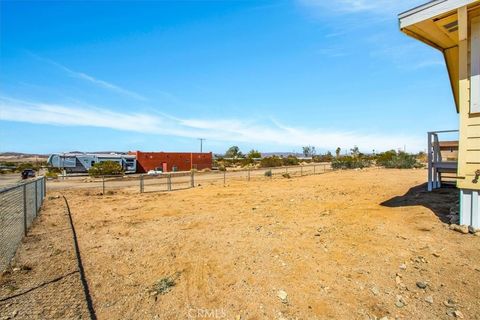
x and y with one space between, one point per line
333 52
361 6
406 56
214 129
88 78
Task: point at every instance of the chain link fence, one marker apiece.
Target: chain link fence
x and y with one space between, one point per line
45 279
19 205
170 181
184 180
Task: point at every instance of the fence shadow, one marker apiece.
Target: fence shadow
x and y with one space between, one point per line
439 201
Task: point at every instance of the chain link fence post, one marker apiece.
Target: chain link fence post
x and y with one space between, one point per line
224 177
25 209
44 187
141 184
248 173
169 182
36 198
301 171
192 179
314 166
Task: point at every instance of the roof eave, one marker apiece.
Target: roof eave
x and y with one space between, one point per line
430 10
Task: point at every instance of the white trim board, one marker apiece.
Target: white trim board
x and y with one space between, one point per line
431 10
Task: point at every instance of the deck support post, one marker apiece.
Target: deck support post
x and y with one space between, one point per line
430 162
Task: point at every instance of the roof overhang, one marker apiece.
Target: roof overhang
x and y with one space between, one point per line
436 24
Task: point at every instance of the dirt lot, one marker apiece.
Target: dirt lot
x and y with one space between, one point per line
346 245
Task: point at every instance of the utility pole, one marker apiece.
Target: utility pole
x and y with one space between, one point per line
201 144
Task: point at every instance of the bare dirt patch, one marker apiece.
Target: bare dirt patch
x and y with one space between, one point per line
43 280
350 245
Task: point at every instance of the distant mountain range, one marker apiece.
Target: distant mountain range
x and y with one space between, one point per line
281 154
19 155
22 155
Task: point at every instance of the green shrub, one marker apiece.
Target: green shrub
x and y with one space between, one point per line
349 162
328 157
105 168
163 286
290 161
7 164
286 175
385 157
51 174
270 162
402 160
268 173
246 162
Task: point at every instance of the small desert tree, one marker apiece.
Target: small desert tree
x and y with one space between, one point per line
337 152
105 168
309 151
233 152
355 152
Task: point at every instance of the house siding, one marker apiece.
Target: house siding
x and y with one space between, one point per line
469 149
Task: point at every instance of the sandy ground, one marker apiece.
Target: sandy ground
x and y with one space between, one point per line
343 245
9 179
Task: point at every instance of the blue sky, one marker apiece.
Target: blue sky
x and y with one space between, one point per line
269 75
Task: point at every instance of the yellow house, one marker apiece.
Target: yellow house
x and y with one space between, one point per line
453 27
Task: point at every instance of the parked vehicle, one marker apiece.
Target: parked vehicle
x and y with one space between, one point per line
28 173
155 172
82 162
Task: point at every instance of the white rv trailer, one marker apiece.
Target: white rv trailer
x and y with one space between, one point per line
81 162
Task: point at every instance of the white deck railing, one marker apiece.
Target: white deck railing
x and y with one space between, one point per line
437 165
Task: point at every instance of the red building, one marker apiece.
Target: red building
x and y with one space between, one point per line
172 161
